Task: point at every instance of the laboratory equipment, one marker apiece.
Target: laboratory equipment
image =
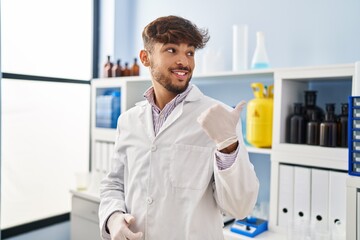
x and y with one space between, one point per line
250 226
259 116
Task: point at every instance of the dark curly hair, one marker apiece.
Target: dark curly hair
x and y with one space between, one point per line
174 29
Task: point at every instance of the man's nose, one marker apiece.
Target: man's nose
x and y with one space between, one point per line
182 60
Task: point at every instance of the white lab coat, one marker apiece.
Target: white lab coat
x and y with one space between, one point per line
170 182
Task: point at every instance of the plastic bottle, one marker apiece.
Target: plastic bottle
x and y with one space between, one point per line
313 130
116 70
328 128
108 67
135 69
260 58
343 126
297 125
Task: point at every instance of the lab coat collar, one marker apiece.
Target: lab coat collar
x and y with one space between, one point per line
194 95
146 114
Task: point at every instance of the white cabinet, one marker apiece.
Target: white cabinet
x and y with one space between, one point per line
131 91
84 219
334 84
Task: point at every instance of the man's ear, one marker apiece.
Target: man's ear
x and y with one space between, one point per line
144 58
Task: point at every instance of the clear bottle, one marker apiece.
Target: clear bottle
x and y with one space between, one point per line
260 58
108 67
116 70
328 128
297 125
343 126
135 69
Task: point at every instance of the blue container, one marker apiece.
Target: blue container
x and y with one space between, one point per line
108 109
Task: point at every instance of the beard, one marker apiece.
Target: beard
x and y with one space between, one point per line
165 81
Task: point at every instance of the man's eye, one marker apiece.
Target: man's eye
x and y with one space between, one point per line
170 50
190 54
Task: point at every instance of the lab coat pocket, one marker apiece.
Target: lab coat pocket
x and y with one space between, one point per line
190 166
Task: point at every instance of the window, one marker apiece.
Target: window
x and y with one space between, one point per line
46 60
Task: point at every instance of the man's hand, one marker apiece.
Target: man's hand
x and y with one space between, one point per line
118 225
220 124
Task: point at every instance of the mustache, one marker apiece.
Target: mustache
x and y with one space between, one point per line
181 68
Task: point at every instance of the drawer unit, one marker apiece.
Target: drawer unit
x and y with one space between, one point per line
85 208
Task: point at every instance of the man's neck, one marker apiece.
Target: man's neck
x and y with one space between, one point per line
161 98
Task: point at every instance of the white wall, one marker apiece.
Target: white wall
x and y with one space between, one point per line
298 33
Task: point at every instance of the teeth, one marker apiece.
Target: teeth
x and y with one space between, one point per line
180 73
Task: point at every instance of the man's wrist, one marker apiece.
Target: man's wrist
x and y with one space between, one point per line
111 219
231 148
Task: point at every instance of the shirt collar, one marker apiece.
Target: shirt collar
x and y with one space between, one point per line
149 95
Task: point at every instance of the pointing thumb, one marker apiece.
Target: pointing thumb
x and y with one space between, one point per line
239 107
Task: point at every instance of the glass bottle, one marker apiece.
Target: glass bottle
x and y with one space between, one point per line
126 71
328 128
313 130
108 67
260 58
116 70
310 106
297 125
135 69
343 126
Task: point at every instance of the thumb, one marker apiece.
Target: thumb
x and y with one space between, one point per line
129 218
239 107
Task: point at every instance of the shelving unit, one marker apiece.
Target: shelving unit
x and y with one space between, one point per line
334 84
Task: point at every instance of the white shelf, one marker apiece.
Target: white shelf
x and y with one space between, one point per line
245 73
251 149
104 134
315 156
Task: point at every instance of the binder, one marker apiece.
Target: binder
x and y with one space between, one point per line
337 199
97 159
104 157
302 185
320 199
286 195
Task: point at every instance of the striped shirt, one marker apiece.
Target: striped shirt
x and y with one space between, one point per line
223 160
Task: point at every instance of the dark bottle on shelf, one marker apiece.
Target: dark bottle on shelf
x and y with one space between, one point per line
310 106
116 70
297 125
126 71
108 68
328 128
343 126
313 130
135 69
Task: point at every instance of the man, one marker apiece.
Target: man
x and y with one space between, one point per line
179 158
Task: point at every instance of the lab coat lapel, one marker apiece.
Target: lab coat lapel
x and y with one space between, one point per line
193 95
175 114
146 119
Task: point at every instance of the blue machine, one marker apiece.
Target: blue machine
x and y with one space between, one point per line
249 226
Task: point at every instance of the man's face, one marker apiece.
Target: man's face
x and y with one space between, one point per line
171 65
